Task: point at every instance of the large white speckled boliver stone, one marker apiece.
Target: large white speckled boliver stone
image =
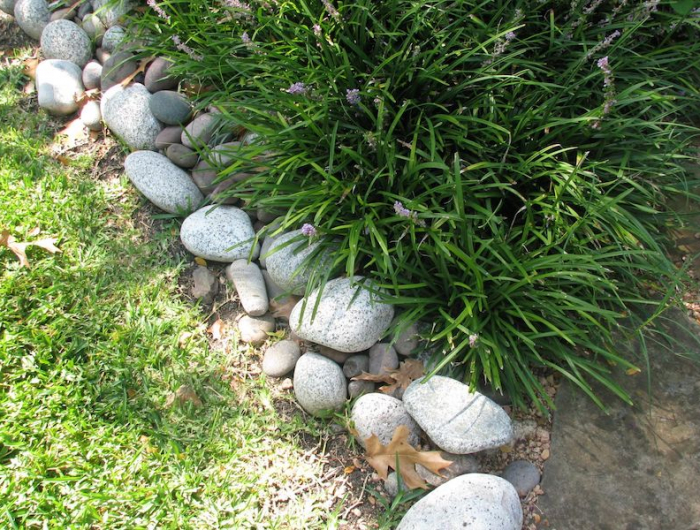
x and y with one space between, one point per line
319 384
58 86
474 502
162 182
63 39
219 233
127 113
456 420
346 319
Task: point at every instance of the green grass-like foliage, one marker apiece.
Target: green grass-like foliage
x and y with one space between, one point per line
532 172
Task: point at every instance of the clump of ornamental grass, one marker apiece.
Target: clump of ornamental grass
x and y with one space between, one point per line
502 169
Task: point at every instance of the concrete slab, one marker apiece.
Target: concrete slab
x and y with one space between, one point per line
637 468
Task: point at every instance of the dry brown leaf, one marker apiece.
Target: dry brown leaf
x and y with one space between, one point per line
402 457
408 371
34 232
200 261
20 249
184 394
217 329
141 68
30 67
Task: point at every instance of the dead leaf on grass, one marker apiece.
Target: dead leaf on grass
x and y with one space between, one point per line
184 394
20 249
402 457
217 329
75 133
408 371
29 66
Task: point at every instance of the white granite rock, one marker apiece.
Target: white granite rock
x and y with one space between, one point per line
219 233
127 114
285 261
319 384
63 39
281 358
112 38
346 319
91 116
456 420
381 415
59 84
162 182
32 16
250 286
474 501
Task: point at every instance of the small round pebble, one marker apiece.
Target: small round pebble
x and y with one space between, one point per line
355 365
182 156
254 330
92 73
280 358
523 475
91 116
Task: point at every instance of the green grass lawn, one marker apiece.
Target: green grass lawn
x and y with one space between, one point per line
90 352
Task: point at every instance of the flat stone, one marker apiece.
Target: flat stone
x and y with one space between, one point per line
348 317
65 40
474 501
92 73
168 136
281 358
382 359
162 182
116 68
181 156
636 467
58 85
32 16
456 420
91 116
319 384
461 465
170 107
285 261
380 415
200 131
356 365
523 475
128 116
206 285
219 233
255 330
113 38
158 76
250 286
359 388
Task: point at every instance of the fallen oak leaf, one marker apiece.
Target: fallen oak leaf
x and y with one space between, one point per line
408 371
402 457
217 329
20 249
29 66
139 70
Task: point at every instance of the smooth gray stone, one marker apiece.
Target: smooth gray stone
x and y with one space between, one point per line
219 233
348 318
84 9
58 85
102 55
158 76
336 356
200 131
182 156
170 107
63 39
474 501
407 342
380 415
207 170
281 358
461 465
91 116
111 15
128 116
7 6
523 475
94 27
162 182
32 16
168 136
92 74
62 14
319 384
356 365
255 330
456 420
382 359
206 285
117 68
285 261
113 38
250 286
358 388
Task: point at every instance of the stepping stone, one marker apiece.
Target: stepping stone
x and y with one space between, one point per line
456 420
635 467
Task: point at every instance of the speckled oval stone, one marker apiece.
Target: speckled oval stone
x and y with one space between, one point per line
162 182
219 233
250 286
63 39
319 384
58 85
32 16
7 6
475 501
348 318
380 415
127 114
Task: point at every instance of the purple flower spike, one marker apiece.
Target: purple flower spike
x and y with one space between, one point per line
401 210
297 88
604 65
309 230
473 339
353 96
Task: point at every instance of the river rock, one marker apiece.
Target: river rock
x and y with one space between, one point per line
319 384
381 415
111 13
94 27
359 388
205 285
407 341
169 136
219 233
113 38
285 261
348 318
92 74
250 286
461 465
170 107
523 475
200 131
162 182
382 359
128 116
63 39
255 330
355 365
32 16
91 116
7 6
456 420
181 156
158 76
281 358
474 501
116 68
59 85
